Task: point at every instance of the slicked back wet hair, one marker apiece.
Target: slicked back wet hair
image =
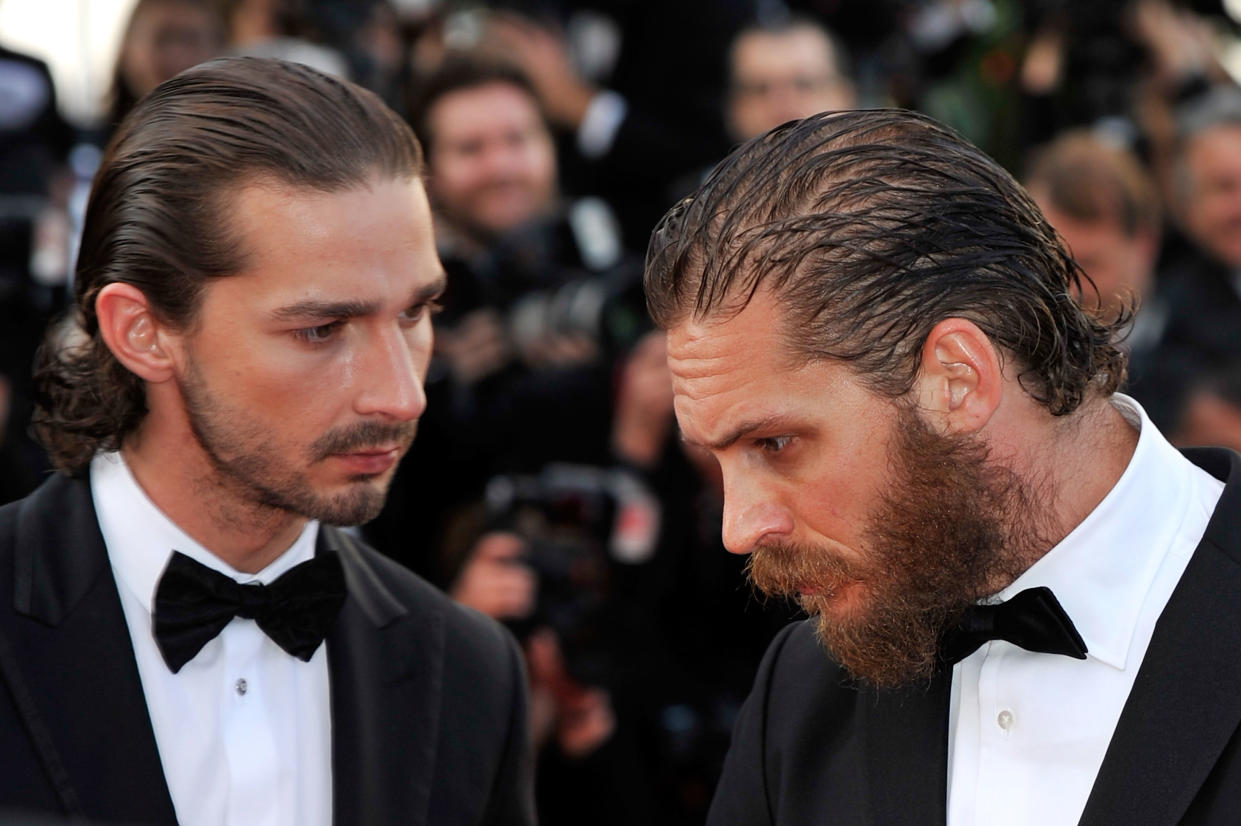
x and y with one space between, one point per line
869 228
158 216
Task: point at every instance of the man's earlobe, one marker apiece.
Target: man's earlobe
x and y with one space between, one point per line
132 332
960 378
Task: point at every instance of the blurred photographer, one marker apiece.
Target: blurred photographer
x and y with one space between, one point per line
641 636
782 70
503 231
561 555
540 301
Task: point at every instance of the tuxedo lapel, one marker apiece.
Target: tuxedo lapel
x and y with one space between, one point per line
1186 702
385 664
906 752
72 646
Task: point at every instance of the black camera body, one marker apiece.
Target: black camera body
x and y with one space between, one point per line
578 522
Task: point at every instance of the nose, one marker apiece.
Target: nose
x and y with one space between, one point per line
495 161
392 380
509 160
751 514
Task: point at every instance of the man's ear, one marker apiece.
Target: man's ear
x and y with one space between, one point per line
960 380
133 333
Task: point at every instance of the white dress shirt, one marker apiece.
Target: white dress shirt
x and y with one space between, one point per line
243 729
1028 731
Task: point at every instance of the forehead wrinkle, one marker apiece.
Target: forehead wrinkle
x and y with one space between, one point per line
700 373
691 366
699 390
711 350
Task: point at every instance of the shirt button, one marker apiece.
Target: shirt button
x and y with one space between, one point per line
241 686
1004 719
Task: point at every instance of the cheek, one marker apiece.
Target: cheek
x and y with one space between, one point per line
285 396
273 382
827 503
838 496
1219 210
542 164
451 177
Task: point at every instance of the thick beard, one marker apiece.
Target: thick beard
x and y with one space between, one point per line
252 470
952 527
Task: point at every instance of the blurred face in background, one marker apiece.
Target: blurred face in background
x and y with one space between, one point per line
1120 265
1212 190
1208 419
164 38
491 159
778 77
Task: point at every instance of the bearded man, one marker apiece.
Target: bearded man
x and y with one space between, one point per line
184 636
1030 602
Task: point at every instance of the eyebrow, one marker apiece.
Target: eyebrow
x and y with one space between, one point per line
316 308
738 432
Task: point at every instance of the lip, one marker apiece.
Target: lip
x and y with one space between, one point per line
369 462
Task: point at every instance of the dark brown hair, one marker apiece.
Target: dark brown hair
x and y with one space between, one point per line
157 217
870 227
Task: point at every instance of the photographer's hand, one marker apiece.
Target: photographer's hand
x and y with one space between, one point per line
475 347
543 56
644 414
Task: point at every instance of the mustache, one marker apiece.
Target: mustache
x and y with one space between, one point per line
788 570
362 436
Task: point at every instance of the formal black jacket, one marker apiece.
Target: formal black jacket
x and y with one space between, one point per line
428 699
812 747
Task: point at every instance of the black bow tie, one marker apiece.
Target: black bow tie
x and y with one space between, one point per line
193 604
1033 620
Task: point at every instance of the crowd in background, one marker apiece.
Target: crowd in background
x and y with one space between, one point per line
548 487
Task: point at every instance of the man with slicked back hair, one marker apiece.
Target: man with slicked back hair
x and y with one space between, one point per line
1025 605
185 636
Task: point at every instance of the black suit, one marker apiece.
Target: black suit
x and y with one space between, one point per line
811 747
1199 339
428 702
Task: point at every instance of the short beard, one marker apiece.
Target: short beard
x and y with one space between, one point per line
252 470
952 527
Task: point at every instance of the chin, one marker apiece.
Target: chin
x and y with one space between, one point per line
353 507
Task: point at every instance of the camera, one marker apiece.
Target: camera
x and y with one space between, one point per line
579 523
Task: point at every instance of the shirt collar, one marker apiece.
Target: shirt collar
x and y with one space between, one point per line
140 538
1101 572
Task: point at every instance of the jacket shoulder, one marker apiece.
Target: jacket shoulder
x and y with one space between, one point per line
469 633
789 734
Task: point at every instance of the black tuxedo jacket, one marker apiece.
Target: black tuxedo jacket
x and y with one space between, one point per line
428 699
812 747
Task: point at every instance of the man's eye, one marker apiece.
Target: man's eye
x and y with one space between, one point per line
319 333
468 149
773 444
414 314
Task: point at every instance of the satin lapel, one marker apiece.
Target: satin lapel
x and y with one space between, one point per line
385 662
1186 702
77 659
907 753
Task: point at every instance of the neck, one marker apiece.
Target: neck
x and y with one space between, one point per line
189 491
1070 469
